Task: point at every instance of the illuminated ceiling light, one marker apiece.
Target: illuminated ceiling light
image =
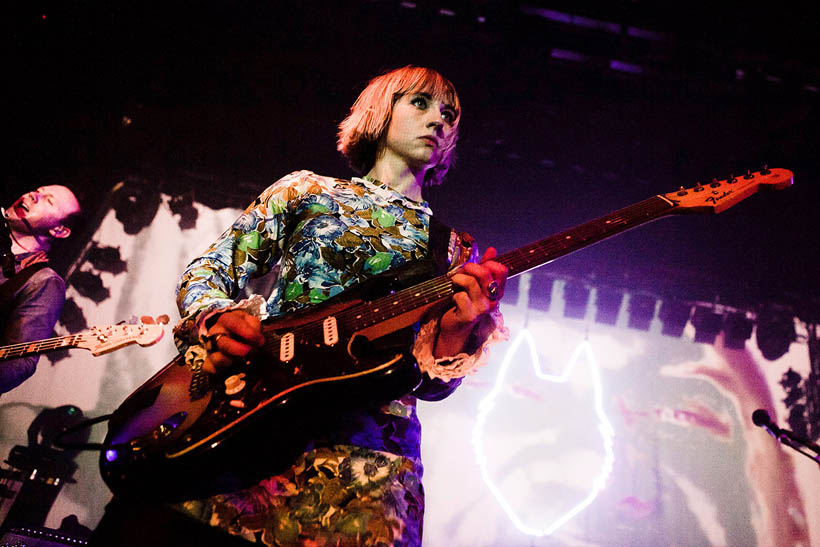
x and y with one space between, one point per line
637 32
641 311
568 55
674 316
540 292
623 66
576 297
596 24
607 306
604 427
552 15
737 328
775 334
707 324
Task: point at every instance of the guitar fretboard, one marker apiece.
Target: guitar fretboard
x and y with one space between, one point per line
518 261
523 259
558 245
14 351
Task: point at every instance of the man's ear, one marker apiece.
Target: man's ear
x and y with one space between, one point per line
60 232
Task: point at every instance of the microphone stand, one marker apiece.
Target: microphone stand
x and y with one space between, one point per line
808 449
785 437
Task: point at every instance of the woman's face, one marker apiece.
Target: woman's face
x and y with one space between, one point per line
420 128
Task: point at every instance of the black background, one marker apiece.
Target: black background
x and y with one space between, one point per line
216 101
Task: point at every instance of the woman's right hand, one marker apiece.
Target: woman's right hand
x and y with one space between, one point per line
234 335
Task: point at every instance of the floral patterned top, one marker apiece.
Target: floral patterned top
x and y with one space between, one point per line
319 236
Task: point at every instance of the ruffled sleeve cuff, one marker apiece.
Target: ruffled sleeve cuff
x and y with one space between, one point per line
490 331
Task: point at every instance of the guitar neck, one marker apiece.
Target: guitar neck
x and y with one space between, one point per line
25 349
546 250
411 303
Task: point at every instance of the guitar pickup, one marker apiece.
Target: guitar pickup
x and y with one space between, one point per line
330 330
286 347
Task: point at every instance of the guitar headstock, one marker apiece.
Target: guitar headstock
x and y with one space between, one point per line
100 340
719 195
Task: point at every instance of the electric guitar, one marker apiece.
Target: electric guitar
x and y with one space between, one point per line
98 340
184 428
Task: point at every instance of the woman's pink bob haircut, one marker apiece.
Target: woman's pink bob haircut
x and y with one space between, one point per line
363 129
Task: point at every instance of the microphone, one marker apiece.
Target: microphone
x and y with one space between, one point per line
761 418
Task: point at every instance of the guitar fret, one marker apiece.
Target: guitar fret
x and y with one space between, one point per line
518 261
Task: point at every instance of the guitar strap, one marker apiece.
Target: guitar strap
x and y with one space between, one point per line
438 245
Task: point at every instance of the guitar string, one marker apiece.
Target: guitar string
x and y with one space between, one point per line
408 299
48 343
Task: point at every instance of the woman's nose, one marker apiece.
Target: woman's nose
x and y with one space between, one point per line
435 120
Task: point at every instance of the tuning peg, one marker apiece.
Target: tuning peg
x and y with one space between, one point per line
731 179
698 187
715 183
748 175
682 191
765 170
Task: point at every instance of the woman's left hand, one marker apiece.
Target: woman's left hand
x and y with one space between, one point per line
483 287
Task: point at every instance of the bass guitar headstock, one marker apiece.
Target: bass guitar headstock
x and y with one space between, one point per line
103 339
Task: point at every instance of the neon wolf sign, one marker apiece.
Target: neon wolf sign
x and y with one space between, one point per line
488 404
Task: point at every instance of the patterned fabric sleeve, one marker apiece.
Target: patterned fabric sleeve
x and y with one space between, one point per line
248 249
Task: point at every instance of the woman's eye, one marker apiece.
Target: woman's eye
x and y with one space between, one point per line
420 102
449 116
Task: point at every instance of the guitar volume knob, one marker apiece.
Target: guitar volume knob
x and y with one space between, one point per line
234 384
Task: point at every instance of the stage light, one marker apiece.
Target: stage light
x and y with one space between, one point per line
707 324
641 311
607 306
540 292
737 328
774 334
674 316
576 297
604 428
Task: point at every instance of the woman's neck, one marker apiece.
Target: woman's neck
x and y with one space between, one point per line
399 176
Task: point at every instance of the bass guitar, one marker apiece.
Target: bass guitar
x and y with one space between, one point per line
98 340
183 428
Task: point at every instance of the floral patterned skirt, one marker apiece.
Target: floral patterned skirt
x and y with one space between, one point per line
342 495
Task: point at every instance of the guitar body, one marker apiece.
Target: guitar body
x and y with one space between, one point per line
179 433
